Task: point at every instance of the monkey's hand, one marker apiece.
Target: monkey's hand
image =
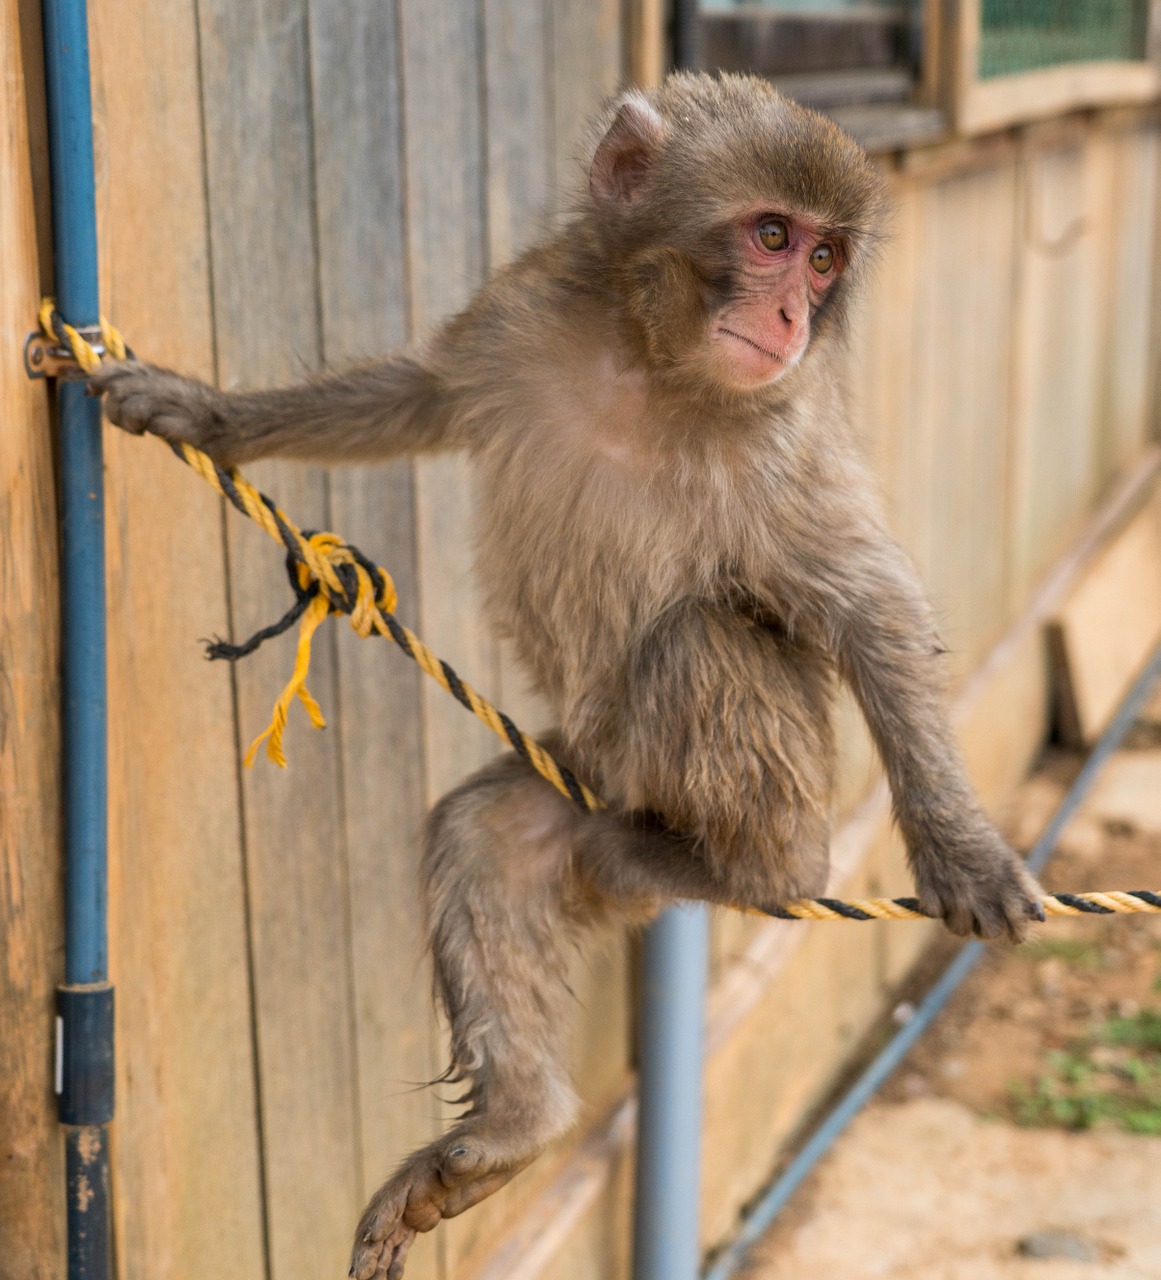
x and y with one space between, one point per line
142 397
975 883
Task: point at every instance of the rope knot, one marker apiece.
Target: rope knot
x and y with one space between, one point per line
328 576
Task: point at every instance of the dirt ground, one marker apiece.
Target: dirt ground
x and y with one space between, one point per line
1022 1138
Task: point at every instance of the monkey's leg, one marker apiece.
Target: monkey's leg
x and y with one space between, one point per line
722 726
512 869
498 886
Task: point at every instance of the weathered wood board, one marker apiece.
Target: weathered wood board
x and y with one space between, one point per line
356 86
263 242
32 1204
1055 451
178 929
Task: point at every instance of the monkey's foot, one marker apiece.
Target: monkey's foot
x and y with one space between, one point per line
438 1182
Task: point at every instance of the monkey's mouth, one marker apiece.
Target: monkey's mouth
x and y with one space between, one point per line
741 337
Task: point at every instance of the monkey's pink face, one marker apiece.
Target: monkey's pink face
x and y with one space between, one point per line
787 266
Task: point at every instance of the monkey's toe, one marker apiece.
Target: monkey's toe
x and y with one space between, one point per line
382 1259
438 1182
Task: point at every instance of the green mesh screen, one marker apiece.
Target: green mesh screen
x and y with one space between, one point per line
1020 35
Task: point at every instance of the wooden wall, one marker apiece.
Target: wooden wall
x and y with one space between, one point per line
284 185
31 953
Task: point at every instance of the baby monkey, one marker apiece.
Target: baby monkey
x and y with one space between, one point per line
678 533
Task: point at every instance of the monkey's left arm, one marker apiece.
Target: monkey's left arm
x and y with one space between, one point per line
870 613
371 412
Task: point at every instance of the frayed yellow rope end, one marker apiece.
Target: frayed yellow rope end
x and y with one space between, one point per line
312 619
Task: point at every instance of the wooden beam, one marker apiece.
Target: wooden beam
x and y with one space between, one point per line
1033 95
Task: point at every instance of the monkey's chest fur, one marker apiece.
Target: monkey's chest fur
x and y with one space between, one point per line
635 565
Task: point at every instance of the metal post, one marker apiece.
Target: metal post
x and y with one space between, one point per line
85 1001
674 956
673 982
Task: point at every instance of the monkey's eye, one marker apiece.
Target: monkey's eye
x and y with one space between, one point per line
774 234
822 258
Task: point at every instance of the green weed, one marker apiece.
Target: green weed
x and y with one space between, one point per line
1112 1077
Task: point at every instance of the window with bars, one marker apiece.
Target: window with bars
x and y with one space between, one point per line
1028 35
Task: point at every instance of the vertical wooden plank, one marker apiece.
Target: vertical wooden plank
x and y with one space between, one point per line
363 287
1128 239
648 46
520 191
32 1208
587 65
518 140
890 371
1055 472
446 210
969 331
186 1155
260 179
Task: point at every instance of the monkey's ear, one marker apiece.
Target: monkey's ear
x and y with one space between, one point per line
626 152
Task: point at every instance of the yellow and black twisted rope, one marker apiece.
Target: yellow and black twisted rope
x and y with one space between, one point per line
336 578
331 576
1117 902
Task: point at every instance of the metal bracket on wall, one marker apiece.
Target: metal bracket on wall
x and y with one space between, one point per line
44 358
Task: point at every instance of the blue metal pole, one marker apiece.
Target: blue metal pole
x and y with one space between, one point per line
85 1002
667 1204
673 982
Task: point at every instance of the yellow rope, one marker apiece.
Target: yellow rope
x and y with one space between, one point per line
342 580
315 615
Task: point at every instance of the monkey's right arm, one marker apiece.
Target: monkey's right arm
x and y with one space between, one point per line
870 608
371 412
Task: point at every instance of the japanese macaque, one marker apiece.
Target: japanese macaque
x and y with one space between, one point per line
678 533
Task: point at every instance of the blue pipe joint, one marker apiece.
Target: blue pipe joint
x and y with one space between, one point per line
86 1079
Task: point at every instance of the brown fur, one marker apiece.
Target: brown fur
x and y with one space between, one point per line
683 563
